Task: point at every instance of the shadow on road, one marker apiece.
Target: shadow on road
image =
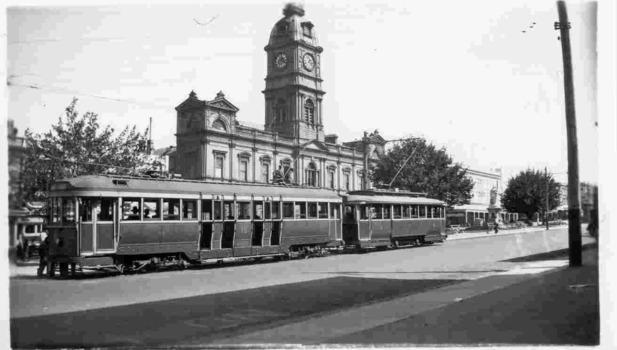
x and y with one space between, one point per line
554 255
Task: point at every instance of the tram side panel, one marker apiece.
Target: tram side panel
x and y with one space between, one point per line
153 238
242 238
305 232
381 232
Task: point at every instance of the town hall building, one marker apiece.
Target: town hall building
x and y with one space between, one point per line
212 144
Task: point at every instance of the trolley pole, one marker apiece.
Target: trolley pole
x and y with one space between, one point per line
574 216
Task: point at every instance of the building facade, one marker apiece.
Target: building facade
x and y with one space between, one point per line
212 144
485 204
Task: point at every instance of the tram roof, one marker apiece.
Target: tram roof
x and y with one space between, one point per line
368 199
93 184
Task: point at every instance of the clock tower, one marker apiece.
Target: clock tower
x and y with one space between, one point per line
293 84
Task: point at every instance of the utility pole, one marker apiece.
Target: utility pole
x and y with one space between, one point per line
546 209
574 216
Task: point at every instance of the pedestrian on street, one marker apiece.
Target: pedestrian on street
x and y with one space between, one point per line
43 250
496 226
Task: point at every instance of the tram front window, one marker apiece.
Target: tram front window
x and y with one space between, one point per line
68 210
55 210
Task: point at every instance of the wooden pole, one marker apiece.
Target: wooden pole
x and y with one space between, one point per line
546 208
574 216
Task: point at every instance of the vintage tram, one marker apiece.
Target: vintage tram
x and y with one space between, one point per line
378 218
130 223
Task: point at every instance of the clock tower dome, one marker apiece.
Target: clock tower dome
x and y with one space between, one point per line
293 84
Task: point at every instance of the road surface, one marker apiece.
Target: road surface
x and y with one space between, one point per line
206 305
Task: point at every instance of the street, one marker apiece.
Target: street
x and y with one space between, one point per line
236 303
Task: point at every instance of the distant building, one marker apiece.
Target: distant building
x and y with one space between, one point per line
212 144
485 202
166 158
588 201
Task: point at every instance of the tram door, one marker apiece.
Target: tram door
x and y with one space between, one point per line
260 206
335 222
277 223
217 224
98 225
205 239
350 224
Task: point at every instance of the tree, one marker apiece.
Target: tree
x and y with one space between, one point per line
78 145
526 193
428 169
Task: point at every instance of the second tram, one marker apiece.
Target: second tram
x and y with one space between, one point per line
375 218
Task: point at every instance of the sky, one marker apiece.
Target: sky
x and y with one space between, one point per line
462 74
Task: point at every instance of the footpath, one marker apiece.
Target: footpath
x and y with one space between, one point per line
526 306
507 231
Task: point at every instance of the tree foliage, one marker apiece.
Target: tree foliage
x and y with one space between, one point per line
526 193
428 169
78 145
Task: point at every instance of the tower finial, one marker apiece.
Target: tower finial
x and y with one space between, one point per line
293 8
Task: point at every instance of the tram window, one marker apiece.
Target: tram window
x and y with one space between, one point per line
288 210
106 210
171 209
376 212
152 210
276 210
386 211
30 229
406 212
422 211
244 210
228 210
68 210
433 213
206 209
189 209
334 211
323 210
364 212
300 210
414 211
312 210
349 212
396 212
439 212
55 210
131 207
218 213
267 214
258 210
85 210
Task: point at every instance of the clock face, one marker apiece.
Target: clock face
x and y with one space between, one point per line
308 62
281 60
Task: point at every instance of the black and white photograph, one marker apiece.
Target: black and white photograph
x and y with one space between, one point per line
314 174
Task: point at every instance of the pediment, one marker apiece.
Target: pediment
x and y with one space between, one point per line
315 145
189 103
222 104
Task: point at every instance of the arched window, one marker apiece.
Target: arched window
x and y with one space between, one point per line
280 111
311 175
309 111
219 125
